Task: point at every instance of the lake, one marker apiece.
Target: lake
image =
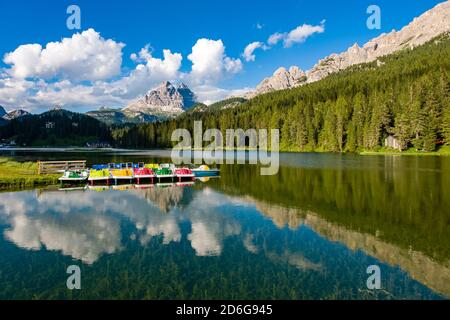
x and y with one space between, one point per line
310 232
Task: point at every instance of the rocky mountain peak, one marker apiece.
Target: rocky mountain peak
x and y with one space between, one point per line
280 72
188 96
296 72
14 114
166 100
281 79
429 25
422 29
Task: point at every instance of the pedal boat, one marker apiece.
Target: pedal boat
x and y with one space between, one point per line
122 174
99 175
184 173
165 171
205 171
152 166
143 173
78 176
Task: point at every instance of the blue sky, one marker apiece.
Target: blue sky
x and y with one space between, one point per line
177 26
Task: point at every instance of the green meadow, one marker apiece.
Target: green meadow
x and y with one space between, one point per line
22 174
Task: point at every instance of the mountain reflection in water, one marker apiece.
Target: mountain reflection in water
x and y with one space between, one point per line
308 233
87 226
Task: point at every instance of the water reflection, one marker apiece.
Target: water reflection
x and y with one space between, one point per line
306 233
67 224
87 225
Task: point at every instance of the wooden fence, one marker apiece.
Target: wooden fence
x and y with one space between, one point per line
45 167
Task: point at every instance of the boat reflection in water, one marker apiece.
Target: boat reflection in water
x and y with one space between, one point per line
240 236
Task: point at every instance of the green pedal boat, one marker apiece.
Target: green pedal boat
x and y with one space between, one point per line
74 176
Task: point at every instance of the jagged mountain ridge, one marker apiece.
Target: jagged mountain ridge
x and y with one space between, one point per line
281 79
427 26
14 114
164 101
5 116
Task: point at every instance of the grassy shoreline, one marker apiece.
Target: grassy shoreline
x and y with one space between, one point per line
443 151
22 175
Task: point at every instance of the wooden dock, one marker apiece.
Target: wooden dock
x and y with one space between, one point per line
46 167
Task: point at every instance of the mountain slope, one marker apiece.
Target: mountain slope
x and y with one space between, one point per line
432 23
117 116
227 104
280 80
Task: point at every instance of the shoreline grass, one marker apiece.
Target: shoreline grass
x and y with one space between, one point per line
443 151
22 174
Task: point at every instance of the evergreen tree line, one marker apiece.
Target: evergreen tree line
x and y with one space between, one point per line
68 128
405 95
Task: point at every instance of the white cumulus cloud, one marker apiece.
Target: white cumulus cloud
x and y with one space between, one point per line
84 56
148 73
85 72
301 33
275 38
14 91
210 63
297 35
250 49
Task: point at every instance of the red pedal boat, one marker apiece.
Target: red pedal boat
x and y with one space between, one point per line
184 173
143 173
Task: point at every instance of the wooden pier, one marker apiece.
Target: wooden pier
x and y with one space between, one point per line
46 167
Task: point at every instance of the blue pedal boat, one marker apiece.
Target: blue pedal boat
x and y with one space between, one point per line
205 171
